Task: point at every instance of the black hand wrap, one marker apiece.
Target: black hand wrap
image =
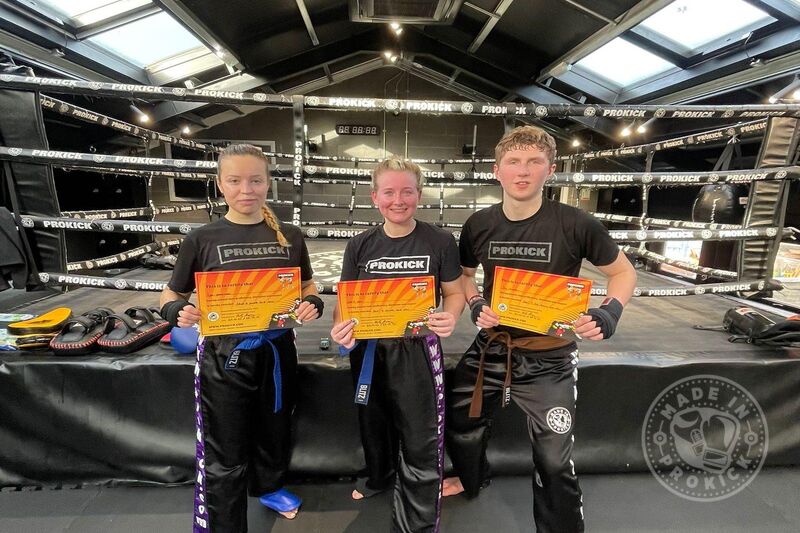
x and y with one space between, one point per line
606 316
317 302
170 310
475 307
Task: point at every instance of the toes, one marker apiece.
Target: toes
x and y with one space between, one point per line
357 495
290 515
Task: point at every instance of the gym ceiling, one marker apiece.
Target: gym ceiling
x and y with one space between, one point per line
547 51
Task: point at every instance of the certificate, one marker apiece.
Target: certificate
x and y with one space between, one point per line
243 301
539 302
389 307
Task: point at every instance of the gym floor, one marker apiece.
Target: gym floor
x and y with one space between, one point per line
612 503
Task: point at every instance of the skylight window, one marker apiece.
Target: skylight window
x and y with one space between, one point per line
80 13
623 63
692 25
135 41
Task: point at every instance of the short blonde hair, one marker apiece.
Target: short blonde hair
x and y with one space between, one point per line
397 163
243 149
524 137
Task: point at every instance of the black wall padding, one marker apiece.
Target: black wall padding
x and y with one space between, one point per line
22 125
101 418
766 204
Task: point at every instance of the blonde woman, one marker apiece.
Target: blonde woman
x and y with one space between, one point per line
402 422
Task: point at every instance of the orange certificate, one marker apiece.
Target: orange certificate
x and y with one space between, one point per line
243 301
389 307
538 302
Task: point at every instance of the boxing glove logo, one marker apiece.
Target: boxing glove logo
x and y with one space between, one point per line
705 438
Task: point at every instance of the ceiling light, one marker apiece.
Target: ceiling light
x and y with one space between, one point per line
793 89
626 131
143 117
395 26
641 129
576 143
398 31
186 130
393 59
388 54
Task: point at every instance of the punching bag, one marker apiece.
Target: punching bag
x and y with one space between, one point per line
718 204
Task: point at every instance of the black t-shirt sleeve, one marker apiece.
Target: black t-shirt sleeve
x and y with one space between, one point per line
306 272
596 244
450 269
465 251
182 279
350 262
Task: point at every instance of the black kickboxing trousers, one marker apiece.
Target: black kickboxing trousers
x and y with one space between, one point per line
543 385
243 444
402 427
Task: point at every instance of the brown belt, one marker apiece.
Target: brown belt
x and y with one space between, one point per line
538 343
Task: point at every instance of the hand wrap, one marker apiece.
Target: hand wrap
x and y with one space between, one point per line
606 316
317 302
476 304
170 310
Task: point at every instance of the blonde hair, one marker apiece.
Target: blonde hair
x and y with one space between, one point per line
397 163
524 137
248 149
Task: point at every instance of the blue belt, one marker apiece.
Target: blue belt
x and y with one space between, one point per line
365 377
251 341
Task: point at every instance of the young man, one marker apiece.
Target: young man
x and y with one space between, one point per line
536 371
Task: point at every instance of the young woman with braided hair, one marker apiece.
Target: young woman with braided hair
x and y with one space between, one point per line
244 384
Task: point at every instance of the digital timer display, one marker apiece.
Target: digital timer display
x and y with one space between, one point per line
356 129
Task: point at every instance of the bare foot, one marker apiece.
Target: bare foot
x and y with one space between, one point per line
452 486
357 495
290 515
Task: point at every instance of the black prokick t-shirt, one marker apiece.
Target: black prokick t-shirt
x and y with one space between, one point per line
426 251
225 245
554 240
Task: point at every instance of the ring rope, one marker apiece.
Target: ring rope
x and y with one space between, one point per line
60 278
438 107
204 176
122 256
744 129
136 226
116 226
558 179
707 271
661 222
140 211
92 117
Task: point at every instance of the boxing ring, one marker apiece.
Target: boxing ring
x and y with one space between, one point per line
128 419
